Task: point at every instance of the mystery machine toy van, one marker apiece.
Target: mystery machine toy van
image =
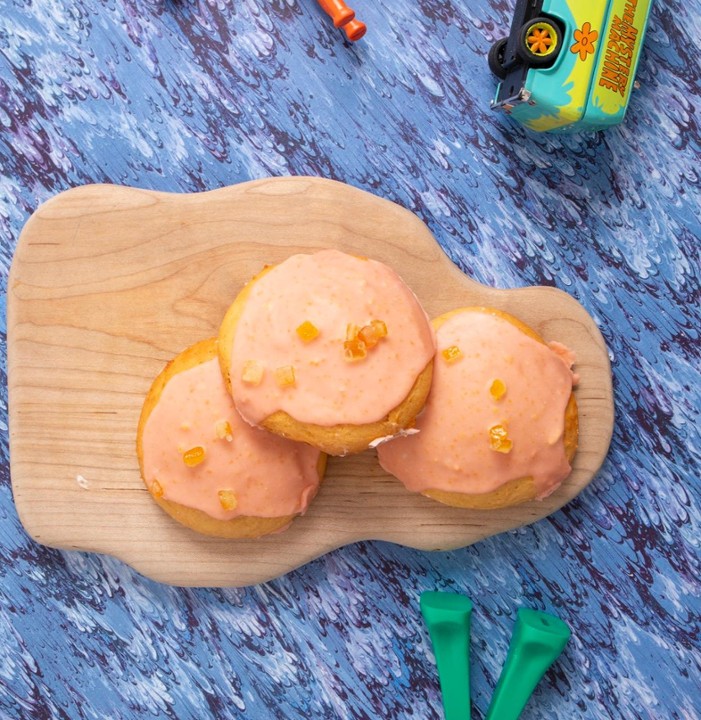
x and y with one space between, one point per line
569 65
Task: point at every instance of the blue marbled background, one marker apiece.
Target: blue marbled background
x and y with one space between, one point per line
188 95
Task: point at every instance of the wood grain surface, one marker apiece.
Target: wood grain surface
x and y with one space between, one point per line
109 283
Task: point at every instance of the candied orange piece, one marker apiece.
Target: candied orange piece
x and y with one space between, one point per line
372 334
194 456
498 389
224 431
156 489
368 336
360 340
354 350
499 441
307 331
228 499
285 376
252 372
451 354
379 327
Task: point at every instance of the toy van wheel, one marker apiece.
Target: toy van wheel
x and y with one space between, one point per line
496 57
539 43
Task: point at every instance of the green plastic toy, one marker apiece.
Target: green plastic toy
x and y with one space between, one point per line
537 642
447 616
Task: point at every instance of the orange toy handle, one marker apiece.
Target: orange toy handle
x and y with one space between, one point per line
355 30
338 11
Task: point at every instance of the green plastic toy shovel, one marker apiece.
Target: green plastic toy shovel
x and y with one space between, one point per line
537 642
447 617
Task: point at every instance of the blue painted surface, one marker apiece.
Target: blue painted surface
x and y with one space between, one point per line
191 95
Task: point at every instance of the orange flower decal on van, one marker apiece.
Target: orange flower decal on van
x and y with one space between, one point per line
586 37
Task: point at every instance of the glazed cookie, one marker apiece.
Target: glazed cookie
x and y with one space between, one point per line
329 349
500 426
210 470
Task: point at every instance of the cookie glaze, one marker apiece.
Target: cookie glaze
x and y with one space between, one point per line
330 290
268 475
452 450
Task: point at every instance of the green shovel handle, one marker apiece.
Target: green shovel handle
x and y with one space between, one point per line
447 617
537 642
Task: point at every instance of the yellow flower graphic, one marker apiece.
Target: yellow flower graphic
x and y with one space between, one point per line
586 37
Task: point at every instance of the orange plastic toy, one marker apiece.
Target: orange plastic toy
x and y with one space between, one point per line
343 17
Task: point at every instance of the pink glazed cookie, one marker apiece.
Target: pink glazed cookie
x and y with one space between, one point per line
210 470
500 426
329 349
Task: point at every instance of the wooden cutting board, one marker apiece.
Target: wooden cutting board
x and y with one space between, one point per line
109 283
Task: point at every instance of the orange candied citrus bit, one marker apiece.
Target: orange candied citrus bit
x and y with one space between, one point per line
497 389
379 327
367 335
451 354
227 499
499 441
372 334
252 372
224 431
156 489
194 456
360 340
285 376
307 331
354 349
